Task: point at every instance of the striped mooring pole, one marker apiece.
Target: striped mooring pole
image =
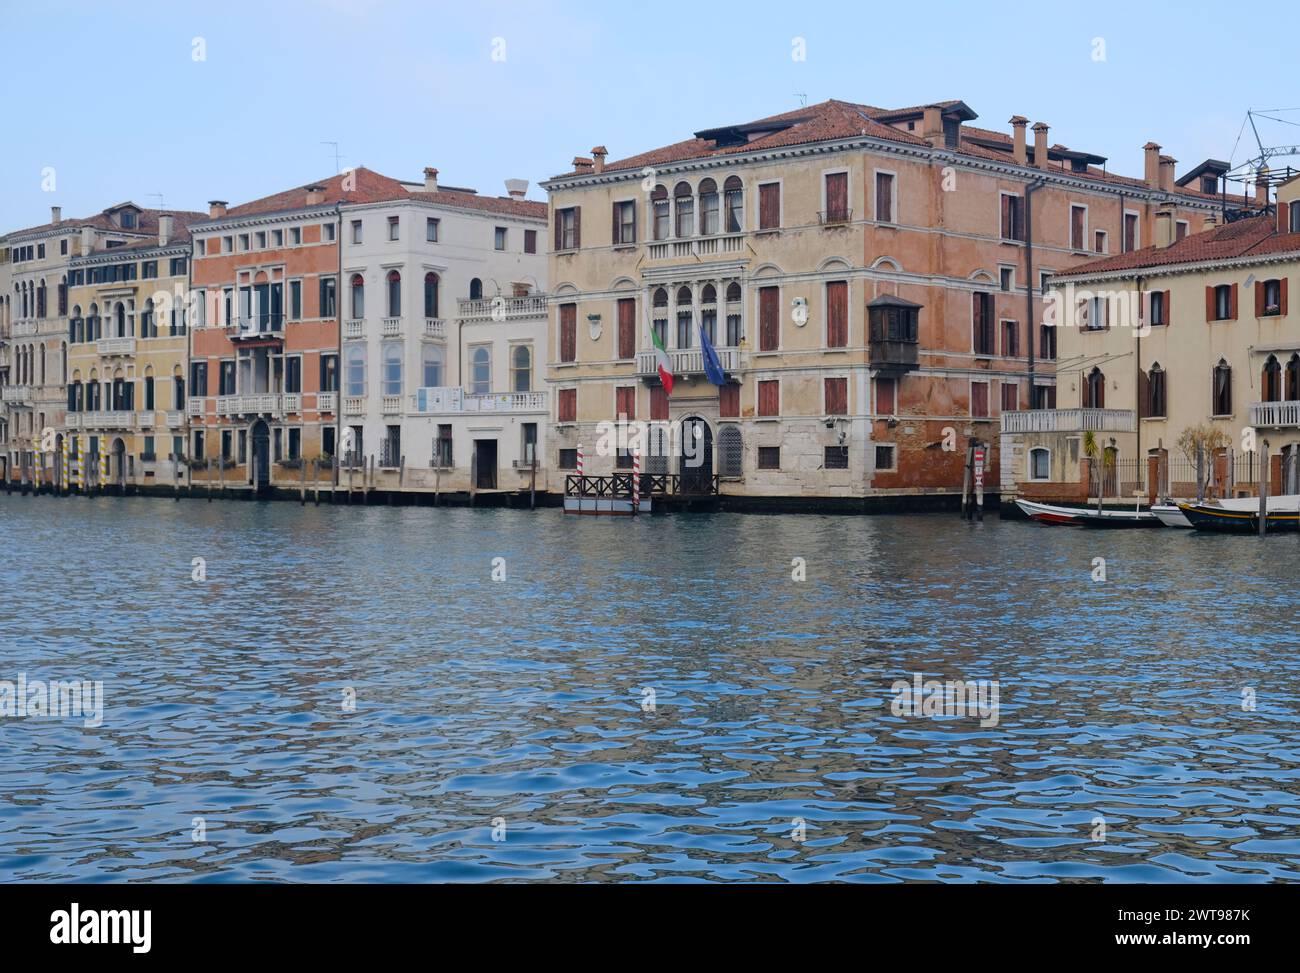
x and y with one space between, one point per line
103 462
66 467
636 480
579 459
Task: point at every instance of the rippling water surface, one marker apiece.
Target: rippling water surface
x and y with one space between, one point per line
522 699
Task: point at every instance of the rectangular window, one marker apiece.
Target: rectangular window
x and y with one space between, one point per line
1099 241
199 378
394 228
837 314
295 442
658 403
431 230
625 402
356 231
884 197
293 374
568 228
149 270
1011 339
328 231
769 457
499 238
1078 227
836 458
1007 278
295 235
624 229
1181 229
1047 342
261 239
327 441
243 242
1159 303
329 373
568 459
984 342
769 206
979 399
328 297
728 402
530 241
277 238
837 197
295 300
1010 396
836 391
568 332
627 327
769 318
1270 298
769 397
884 459
443 451
1013 217
886 396
1131 237
566 409
1221 302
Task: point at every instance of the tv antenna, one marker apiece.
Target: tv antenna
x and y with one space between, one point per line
337 164
803 98
162 203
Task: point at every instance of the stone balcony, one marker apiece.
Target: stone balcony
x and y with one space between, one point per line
1069 420
715 247
1275 415
686 362
259 404
503 308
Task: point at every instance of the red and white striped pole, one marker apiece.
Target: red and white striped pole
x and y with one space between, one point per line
636 480
580 459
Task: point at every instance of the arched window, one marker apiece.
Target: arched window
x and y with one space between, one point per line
735 332
659 315
1293 378
40 299
1221 387
63 362
148 327
733 192
685 208
1040 463
92 323
430 295
709 312
358 297
119 320
355 377
431 364
685 317
710 211
1094 390
1271 380
731 451
659 204
42 361
482 371
392 369
521 368
476 290
75 325
394 294
1155 403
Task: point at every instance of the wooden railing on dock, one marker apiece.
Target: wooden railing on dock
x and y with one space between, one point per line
652 485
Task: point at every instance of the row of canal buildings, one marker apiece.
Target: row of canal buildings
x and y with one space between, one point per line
873 282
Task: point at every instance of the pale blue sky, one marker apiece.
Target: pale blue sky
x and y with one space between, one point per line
109 95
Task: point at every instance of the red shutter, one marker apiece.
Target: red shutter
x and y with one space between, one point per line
837 195
1209 302
1169 308
1259 298
1282 299
769 398
559 231
769 319
627 328
728 402
1232 303
1006 218
658 403
625 402
884 198
568 332
769 206
613 233
979 398
886 396
977 340
577 227
837 314
837 396
567 406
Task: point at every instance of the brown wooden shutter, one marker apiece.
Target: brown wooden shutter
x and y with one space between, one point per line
567 406
978 316
568 332
1144 395
837 195
886 396
1232 303
979 398
837 314
625 402
837 396
1169 309
769 206
1282 297
884 197
769 398
577 227
1209 302
627 327
559 229
1007 230
613 233
658 403
769 319
728 402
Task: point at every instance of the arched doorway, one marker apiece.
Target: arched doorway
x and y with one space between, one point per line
118 472
696 464
260 438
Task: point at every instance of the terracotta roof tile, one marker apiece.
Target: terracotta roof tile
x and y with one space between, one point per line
1250 237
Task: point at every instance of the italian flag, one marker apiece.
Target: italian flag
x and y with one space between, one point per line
661 360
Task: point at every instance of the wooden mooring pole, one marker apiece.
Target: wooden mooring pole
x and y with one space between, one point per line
1263 490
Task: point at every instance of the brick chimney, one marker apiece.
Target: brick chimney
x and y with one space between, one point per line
430 179
1166 231
164 229
315 195
56 214
1152 171
1261 186
216 209
1211 221
1019 150
516 188
582 164
599 153
1040 144
1167 163
932 125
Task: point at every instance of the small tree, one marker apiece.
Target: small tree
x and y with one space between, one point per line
1202 440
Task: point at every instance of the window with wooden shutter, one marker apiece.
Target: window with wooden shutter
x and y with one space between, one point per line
983 340
769 398
884 197
659 403
886 396
728 402
625 401
1010 396
1077 219
566 409
626 327
568 332
1130 232
837 396
837 314
769 206
979 399
837 197
769 318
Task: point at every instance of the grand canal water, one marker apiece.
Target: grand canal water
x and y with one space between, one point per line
520 701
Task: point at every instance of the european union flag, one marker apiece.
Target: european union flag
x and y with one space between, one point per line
712 367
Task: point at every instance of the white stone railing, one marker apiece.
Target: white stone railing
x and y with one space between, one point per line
354 405
503 308
1275 414
390 327
115 346
354 328
435 328
447 400
266 403
687 361
706 246
174 418
16 394
194 405
327 401
391 405
1070 420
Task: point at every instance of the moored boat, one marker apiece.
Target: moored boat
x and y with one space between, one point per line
1046 513
1238 518
1168 514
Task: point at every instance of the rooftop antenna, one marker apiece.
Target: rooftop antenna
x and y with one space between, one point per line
162 203
337 166
1245 172
803 98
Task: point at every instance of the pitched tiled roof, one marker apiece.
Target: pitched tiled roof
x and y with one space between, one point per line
373 187
1255 236
146 222
830 120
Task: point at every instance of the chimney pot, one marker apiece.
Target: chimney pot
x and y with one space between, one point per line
599 153
164 230
1019 148
56 214
1040 144
582 164
1167 164
516 188
87 239
315 195
216 208
1151 172
430 179
1165 230
932 125
1261 186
